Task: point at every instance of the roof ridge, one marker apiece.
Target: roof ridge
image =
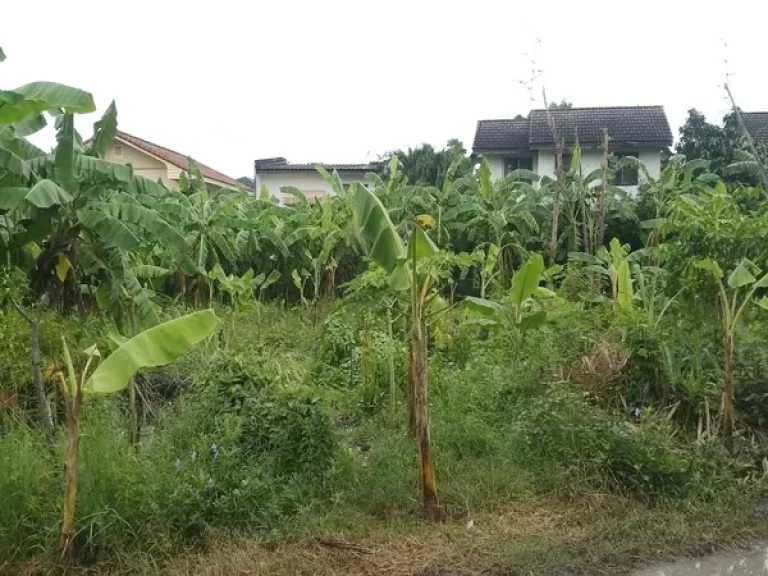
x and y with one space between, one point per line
171 150
147 145
634 106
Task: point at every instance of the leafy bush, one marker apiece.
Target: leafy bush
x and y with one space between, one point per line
290 431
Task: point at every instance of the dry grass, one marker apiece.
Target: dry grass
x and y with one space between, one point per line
592 534
595 534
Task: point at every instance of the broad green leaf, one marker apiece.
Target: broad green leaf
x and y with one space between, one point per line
30 125
625 290
2 55
535 320
616 250
741 276
297 281
47 193
126 209
484 306
65 154
104 132
377 233
109 229
763 302
264 193
594 298
156 346
273 277
400 279
34 249
222 245
542 292
14 164
421 244
720 188
711 266
576 159
527 279
491 260
124 280
44 96
652 224
10 198
762 283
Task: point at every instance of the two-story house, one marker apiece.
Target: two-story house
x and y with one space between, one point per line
639 131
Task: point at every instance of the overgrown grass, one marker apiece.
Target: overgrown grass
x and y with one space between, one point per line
282 429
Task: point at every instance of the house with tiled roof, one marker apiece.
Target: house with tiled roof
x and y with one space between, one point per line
160 163
277 173
527 142
757 125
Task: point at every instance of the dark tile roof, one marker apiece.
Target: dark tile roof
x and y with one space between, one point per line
757 124
280 163
175 158
509 134
626 125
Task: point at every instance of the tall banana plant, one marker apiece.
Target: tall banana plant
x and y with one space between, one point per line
81 216
505 213
157 346
734 296
406 270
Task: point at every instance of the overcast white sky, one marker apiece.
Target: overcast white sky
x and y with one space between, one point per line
344 81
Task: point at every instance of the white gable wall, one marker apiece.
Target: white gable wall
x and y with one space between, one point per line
544 163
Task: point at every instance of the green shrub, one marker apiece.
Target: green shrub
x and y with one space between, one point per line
289 430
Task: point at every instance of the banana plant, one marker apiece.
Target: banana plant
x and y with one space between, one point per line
520 311
613 265
734 295
84 216
406 270
156 346
488 270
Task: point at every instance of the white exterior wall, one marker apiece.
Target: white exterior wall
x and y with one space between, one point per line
544 163
304 180
496 164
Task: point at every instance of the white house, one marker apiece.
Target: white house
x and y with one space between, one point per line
160 163
639 131
276 173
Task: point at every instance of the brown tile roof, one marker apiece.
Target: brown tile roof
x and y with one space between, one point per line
175 158
626 125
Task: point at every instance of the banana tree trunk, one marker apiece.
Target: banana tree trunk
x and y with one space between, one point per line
419 420
73 405
728 393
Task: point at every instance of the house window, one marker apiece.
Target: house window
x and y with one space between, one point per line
118 150
512 164
626 176
567 158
